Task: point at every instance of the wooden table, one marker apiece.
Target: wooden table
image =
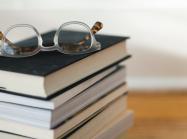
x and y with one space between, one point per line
158 115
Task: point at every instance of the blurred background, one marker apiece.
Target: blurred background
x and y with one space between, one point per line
157 29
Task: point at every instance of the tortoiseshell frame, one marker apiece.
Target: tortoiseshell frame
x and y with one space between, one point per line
95 45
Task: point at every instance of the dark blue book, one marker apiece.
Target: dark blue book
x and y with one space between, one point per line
46 73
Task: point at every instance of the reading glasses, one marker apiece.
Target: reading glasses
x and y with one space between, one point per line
71 38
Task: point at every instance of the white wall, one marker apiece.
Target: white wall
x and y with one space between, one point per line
157 29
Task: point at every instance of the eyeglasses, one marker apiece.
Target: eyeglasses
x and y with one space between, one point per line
71 38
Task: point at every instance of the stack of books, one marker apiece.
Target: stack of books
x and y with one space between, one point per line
53 96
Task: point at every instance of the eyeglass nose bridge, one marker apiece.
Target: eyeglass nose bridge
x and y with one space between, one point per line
48 48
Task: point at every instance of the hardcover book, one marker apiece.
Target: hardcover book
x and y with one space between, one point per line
46 118
46 73
66 127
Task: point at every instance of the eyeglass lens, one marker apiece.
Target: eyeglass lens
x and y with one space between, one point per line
14 44
74 38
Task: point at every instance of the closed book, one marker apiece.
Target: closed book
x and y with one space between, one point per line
61 97
100 122
52 118
46 73
117 126
70 124
105 126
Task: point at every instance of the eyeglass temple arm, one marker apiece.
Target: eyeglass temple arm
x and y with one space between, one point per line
96 27
6 40
19 49
1 35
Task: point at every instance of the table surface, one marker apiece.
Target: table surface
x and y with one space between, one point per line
158 115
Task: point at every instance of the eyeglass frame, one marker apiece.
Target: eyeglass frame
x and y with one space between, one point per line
94 46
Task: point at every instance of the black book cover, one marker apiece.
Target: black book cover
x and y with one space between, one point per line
45 63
